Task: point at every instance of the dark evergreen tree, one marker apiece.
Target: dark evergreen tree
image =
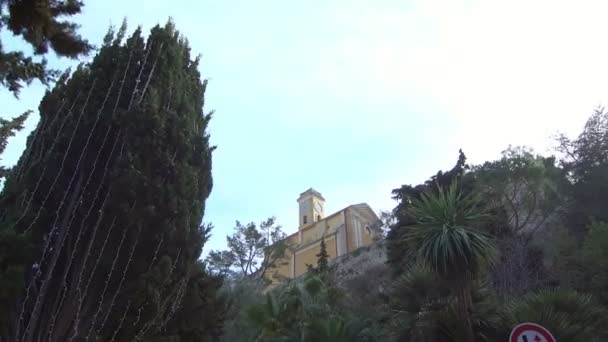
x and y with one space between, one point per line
13 247
8 128
203 311
110 192
407 193
40 23
322 258
586 163
397 253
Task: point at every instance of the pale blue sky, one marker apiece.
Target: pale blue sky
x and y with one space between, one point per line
355 98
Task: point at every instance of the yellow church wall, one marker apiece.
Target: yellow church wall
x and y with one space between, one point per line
357 222
308 234
309 254
351 235
293 240
366 237
334 222
323 228
313 232
284 265
330 243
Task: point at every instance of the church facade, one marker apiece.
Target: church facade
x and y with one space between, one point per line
343 231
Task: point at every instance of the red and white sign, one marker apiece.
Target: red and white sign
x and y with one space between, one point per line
530 332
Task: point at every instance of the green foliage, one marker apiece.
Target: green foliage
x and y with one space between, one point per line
240 293
220 262
426 308
526 195
388 220
334 328
407 193
526 186
444 237
417 297
467 272
584 266
111 190
323 258
41 25
14 248
308 310
252 250
398 253
586 164
8 128
566 258
570 316
594 259
203 311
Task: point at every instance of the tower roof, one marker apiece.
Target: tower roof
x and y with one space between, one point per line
311 192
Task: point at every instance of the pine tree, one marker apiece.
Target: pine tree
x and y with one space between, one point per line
110 194
41 24
322 258
8 128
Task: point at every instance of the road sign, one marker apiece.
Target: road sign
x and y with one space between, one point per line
530 332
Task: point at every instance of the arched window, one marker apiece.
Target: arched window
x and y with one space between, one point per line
304 219
318 217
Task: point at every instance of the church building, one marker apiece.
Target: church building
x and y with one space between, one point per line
343 231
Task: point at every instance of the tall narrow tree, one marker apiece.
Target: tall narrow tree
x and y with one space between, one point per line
322 258
111 192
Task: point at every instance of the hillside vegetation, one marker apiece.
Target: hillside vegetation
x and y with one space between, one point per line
471 252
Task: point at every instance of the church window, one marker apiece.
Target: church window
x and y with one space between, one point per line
318 217
304 220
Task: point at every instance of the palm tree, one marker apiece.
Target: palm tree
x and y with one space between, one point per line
444 238
569 315
417 301
425 309
303 312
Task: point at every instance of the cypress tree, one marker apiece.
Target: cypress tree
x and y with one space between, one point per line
110 193
323 258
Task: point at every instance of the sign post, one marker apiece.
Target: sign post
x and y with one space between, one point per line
530 332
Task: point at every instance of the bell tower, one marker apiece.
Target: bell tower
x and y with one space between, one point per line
311 204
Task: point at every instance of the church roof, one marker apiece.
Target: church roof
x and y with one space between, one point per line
362 208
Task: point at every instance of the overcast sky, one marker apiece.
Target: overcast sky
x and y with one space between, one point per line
355 98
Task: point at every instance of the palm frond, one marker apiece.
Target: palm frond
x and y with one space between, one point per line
444 235
569 315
